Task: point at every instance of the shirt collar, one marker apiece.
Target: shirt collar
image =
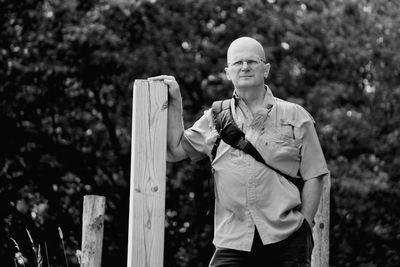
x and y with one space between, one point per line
268 102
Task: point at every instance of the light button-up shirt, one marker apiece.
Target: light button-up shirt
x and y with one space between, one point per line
248 194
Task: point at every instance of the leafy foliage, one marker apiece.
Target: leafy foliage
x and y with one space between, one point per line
66 73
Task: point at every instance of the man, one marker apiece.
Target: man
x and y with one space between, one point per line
260 218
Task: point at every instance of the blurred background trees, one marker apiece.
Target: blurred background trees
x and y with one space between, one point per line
66 75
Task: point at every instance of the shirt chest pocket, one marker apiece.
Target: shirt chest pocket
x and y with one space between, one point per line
280 151
288 130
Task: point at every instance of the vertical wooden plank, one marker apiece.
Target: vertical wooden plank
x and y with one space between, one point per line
320 255
148 174
92 230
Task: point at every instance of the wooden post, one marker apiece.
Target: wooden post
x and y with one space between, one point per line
148 174
320 255
92 230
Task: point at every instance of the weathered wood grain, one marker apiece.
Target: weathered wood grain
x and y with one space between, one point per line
148 174
320 255
92 230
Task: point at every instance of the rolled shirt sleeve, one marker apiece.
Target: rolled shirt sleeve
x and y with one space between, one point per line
197 141
313 163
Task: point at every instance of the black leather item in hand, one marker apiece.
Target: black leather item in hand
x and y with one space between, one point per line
231 135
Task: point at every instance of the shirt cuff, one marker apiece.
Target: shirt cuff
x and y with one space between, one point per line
193 154
319 173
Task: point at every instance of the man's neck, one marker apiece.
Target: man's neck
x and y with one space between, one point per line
253 97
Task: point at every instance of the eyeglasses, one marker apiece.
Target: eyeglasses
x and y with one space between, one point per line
252 63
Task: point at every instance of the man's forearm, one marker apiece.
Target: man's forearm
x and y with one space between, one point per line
310 196
175 129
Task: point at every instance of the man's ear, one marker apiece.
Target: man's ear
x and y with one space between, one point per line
227 73
266 71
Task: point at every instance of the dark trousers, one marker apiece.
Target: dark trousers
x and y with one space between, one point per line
294 251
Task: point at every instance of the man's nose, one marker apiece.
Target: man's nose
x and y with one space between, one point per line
245 65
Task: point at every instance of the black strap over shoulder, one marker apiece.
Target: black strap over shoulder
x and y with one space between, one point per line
221 111
233 136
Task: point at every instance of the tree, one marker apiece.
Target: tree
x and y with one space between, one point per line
66 73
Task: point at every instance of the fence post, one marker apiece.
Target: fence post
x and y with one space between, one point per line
148 174
92 230
320 255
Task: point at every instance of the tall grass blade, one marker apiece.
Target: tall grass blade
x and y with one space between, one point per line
15 244
39 257
60 233
47 254
18 258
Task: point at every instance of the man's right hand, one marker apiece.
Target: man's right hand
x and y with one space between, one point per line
173 87
175 151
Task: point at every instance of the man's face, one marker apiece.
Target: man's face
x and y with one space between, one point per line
246 69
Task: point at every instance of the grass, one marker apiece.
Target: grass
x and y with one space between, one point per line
20 260
60 233
18 257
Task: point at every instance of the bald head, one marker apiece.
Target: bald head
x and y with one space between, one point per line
245 44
